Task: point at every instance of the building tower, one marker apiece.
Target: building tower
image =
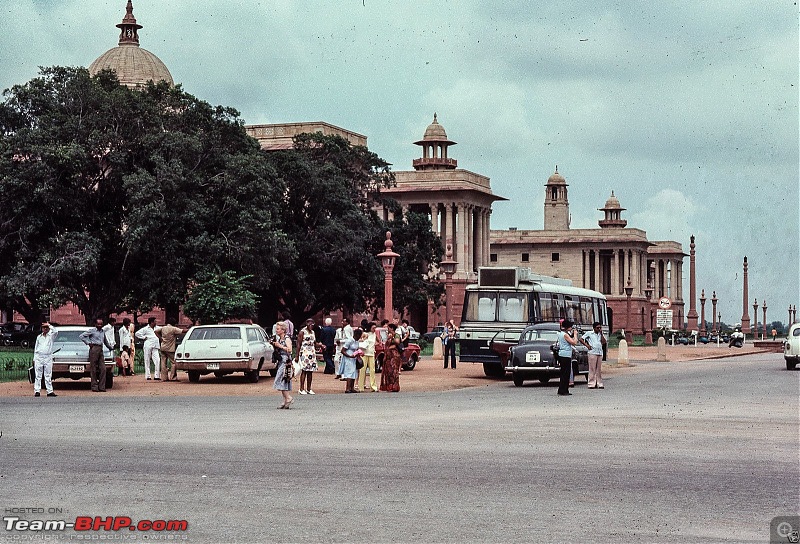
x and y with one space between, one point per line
613 214
133 65
691 317
556 205
434 149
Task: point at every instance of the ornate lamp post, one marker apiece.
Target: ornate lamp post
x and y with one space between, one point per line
764 307
648 333
714 300
794 313
387 261
628 293
755 319
790 315
703 312
448 266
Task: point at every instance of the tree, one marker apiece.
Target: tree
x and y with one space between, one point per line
118 199
220 296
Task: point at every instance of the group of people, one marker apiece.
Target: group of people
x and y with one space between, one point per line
348 354
594 341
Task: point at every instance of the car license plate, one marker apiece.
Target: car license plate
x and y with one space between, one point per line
77 369
212 366
532 357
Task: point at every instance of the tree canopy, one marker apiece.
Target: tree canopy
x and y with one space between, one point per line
118 199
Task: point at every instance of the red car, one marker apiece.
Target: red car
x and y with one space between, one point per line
410 354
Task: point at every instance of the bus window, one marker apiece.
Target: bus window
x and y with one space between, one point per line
603 317
558 306
546 308
487 307
572 309
587 311
513 307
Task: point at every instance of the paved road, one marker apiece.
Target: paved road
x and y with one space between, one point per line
668 452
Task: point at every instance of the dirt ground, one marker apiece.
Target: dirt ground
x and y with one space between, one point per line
427 376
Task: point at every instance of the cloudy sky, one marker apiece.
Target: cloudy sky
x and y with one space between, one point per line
687 110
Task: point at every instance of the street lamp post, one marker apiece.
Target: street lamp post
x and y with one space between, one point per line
387 261
628 293
714 300
755 319
764 307
448 266
703 312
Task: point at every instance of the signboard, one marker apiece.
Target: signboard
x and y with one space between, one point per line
664 319
664 303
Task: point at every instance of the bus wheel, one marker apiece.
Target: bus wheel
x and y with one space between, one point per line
494 370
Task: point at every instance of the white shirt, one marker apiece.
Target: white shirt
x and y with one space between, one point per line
44 344
108 329
124 336
148 334
595 340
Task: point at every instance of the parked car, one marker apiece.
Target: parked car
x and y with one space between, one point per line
410 354
225 349
437 331
71 355
19 334
535 356
791 347
413 335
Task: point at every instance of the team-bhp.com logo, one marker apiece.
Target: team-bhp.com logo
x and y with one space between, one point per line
88 523
785 529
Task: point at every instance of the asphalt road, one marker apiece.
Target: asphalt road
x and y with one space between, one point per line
669 452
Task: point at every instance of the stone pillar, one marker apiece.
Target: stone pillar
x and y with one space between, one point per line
764 336
461 238
449 231
597 285
614 272
714 311
703 311
469 239
692 315
585 254
662 350
623 358
745 301
435 219
486 242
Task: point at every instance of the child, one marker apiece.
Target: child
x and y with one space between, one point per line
127 363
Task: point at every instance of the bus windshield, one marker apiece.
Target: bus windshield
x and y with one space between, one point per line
496 306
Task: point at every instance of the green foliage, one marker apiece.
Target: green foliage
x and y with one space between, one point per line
220 296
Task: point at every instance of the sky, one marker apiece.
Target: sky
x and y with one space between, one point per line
687 110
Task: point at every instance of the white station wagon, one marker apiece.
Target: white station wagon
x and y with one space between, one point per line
791 347
225 349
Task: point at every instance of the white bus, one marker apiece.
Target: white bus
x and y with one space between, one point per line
507 299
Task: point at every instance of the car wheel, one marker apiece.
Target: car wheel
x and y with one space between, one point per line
412 362
25 343
494 370
378 364
790 365
109 380
517 379
194 376
544 380
252 376
219 374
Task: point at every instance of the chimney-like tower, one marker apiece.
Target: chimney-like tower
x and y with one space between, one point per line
692 315
745 301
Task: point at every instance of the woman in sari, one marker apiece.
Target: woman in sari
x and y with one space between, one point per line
390 372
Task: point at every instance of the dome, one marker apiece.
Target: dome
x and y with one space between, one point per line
435 133
612 203
133 65
556 179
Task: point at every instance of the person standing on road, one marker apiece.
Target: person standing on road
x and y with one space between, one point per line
109 332
390 371
307 356
125 341
348 364
567 339
449 336
283 376
594 340
43 360
367 345
151 347
95 338
328 340
168 335
343 334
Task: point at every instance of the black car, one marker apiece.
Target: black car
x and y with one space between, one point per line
430 336
535 355
19 334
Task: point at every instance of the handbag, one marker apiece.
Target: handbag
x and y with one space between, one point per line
359 363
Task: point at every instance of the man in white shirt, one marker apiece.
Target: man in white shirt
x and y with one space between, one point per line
152 347
594 342
108 330
43 360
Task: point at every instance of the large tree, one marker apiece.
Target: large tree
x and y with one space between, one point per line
114 199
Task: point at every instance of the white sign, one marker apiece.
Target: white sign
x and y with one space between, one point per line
664 319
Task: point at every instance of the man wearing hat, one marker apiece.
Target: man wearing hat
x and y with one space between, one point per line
43 360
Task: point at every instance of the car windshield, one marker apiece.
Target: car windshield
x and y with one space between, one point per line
538 336
215 333
68 337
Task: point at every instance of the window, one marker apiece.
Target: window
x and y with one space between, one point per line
555 257
526 257
493 257
252 335
512 307
546 307
221 333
